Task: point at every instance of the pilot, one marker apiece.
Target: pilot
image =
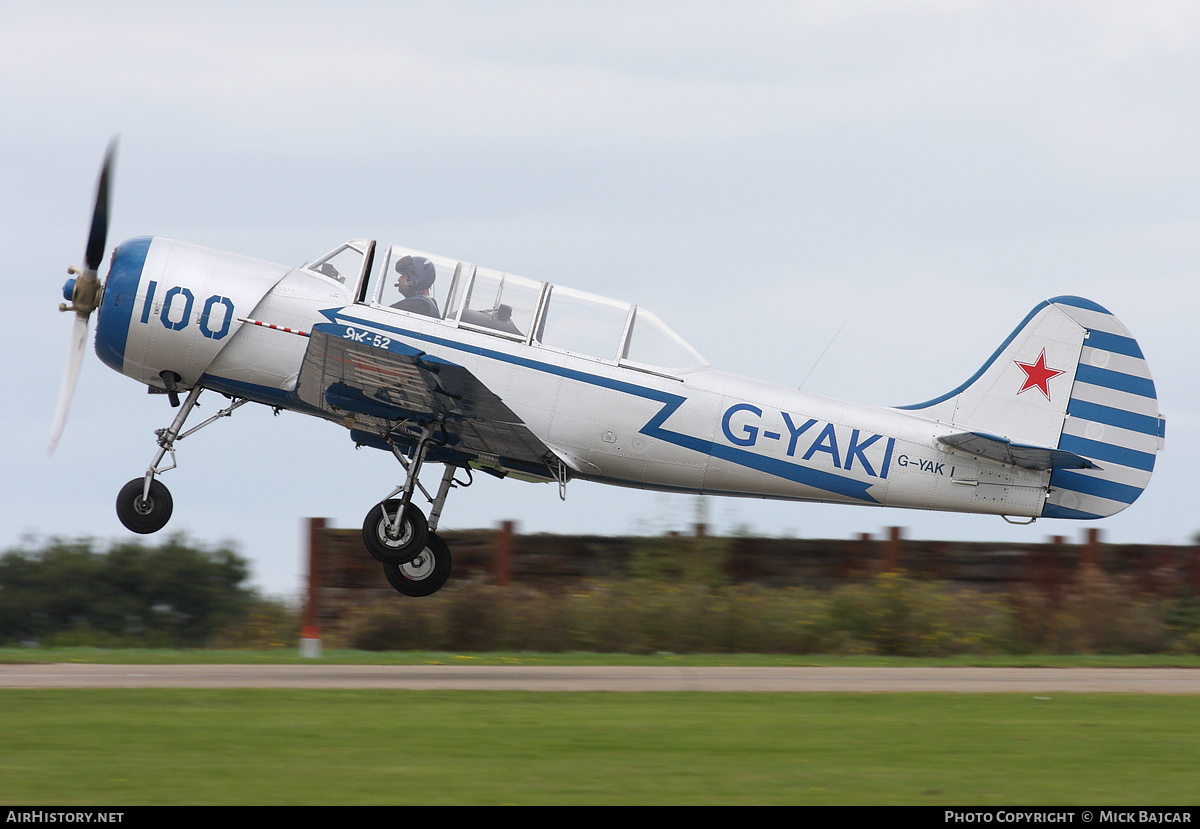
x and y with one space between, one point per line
416 278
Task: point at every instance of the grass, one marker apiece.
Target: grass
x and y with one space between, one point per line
130 747
148 656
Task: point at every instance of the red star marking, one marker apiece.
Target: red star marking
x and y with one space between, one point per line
1037 376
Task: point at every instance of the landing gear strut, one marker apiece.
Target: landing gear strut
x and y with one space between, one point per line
415 560
144 504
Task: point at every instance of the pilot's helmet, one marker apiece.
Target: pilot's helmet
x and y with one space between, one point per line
418 273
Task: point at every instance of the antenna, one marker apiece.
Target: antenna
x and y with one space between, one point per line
822 355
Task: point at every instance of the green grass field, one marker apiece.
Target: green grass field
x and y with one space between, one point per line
128 747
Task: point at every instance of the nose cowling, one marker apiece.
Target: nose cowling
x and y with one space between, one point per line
120 293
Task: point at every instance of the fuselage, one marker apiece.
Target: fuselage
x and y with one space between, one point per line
190 312
708 431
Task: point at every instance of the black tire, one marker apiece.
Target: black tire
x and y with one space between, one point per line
425 574
414 529
144 516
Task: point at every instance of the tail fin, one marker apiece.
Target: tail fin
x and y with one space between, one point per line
1069 378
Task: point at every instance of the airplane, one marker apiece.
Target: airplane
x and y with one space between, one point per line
439 361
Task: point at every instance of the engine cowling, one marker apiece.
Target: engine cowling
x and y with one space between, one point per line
171 306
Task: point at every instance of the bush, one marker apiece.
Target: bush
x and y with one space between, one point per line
264 624
172 595
889 614
1097 613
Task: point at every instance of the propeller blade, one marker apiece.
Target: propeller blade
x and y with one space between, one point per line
85 293
98 236
74 360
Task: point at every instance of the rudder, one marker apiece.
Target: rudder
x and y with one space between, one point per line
1112 419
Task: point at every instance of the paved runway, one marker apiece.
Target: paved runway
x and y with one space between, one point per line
527 678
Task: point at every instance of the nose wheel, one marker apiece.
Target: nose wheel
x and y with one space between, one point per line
144 513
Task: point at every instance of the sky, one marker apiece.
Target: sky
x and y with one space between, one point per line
856 196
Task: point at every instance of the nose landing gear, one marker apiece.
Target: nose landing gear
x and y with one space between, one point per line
144 504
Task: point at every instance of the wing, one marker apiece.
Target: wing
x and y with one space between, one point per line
385 391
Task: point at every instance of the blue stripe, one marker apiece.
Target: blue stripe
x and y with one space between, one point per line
267 395
1096 450
1055 511
816 478
1088 485
120 294
1114 343
1120 418
1109 342
1141 386
986 365
1080 302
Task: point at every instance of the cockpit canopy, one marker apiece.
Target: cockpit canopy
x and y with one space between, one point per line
504 305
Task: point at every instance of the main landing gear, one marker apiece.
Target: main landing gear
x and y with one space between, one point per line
144 504
425 574
396 533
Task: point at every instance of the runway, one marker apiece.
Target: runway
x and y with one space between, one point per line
621 679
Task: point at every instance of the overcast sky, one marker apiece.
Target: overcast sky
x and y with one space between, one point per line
758 174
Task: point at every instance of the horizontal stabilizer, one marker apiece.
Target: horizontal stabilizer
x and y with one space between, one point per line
1025 455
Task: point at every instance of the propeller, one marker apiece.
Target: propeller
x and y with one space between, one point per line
84 293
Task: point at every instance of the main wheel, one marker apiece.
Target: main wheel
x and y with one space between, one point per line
397 548
425 574
144 515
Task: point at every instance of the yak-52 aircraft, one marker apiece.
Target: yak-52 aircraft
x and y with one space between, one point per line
440 361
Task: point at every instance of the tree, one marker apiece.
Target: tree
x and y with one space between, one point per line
175 594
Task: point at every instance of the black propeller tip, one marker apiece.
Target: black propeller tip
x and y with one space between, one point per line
98 237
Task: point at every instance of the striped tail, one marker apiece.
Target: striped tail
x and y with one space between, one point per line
1068 392
1112 419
